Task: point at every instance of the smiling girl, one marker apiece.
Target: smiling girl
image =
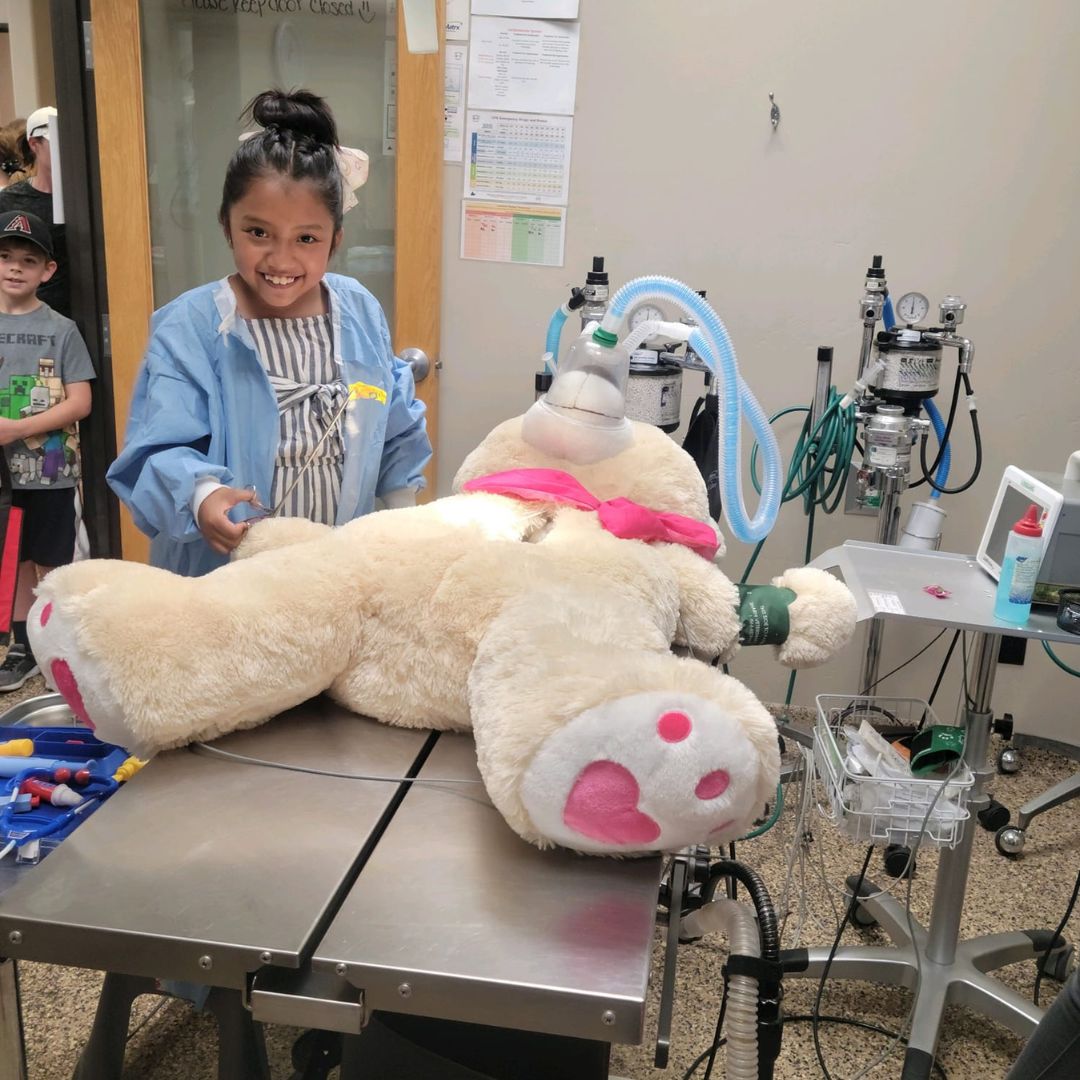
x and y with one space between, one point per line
244 377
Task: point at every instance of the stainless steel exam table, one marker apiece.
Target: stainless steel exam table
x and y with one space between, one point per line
314 901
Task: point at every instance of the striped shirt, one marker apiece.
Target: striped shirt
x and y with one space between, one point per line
298 356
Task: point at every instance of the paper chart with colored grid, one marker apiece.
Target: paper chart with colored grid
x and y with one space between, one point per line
517 157
504 232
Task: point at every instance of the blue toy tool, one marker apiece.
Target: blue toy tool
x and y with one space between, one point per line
67 758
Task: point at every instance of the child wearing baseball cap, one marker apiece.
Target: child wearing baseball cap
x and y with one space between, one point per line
45 374
34 195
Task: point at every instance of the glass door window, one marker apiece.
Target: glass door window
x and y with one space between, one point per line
203 61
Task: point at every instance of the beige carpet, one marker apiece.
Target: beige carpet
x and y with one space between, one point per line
58 1003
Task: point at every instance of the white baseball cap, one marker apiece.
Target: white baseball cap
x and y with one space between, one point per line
37 123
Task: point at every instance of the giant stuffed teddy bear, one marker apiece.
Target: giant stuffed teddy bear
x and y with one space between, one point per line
518 617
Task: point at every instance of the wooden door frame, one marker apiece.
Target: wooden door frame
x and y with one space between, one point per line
125 209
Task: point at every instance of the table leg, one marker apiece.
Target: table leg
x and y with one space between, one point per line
241 1048
12 1052
103 1055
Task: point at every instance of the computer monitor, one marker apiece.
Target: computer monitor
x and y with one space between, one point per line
1016 492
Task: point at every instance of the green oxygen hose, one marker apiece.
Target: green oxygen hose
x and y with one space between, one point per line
817 473
1057 660
818 470
774 817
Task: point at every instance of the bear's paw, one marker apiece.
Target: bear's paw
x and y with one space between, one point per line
653 771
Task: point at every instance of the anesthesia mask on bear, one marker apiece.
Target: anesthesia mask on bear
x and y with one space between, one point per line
582 417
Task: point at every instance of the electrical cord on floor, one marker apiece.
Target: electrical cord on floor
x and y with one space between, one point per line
865 1025
717 1040
146 1019
1044 959
849 914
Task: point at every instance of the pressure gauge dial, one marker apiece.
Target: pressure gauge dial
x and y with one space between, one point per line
645 313
912 307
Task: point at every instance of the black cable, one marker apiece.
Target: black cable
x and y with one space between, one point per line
910 660
928 474
849 915
702 1056
732 886
864 1024
859 1024
717 1042
937 682
944 666
1054 940
969 703
948 431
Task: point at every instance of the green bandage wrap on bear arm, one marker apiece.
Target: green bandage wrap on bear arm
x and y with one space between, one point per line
763 613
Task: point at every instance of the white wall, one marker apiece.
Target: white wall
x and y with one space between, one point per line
941 135
31 54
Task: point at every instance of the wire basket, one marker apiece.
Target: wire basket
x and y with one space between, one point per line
880 809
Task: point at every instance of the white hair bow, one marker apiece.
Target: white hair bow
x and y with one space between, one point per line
351 163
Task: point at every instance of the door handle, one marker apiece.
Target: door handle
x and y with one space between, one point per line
418 360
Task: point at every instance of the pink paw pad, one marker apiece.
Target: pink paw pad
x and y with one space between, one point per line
46 612
603 806
712 785
673 726
64 681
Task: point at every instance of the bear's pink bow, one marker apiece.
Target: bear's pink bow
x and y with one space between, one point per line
621 517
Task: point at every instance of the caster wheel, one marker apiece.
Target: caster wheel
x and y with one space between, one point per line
1009 761
994 816
1009 840
1059 963
896 861
315 1054
860 916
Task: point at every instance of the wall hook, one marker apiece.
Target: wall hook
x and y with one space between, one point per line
774 113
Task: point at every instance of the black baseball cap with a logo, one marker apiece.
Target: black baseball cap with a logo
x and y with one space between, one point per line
18 224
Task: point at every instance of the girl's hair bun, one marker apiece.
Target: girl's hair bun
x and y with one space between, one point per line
300 112
298 140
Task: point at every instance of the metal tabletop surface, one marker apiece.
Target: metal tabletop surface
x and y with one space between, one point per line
890 582
455 917
205 869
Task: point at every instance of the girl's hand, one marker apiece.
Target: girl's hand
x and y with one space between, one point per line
222 534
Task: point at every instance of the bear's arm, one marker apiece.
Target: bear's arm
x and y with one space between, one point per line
708 604
267 534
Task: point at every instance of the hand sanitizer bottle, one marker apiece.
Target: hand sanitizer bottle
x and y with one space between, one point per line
1020 568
